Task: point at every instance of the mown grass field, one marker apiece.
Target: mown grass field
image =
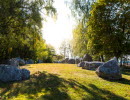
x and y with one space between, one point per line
65 82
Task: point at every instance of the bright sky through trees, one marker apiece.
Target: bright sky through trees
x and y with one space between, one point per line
54 32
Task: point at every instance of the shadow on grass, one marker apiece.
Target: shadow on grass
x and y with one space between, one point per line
52 87
122 81
126 71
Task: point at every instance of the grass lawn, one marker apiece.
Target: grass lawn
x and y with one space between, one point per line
65 82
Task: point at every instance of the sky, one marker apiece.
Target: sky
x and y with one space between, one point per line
55 31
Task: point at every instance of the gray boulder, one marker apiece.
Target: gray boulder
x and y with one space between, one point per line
109 70
25 74
30 61
10 73
71 61
21 62
92 65
81 64
87 58
16 62
77 61
39 61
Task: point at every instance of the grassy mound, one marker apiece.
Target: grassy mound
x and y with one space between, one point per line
65 82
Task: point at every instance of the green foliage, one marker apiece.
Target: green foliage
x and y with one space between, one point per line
51 54
106 26
20 28
81 11
79 42
58 57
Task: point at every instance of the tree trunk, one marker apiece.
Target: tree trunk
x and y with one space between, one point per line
102 58
121 62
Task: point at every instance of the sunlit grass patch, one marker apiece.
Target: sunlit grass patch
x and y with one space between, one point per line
65 82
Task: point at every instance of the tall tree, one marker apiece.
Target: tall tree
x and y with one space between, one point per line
108 28
65 48
79 41
106 25
20 27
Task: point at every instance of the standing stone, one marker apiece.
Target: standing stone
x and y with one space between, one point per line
87 58
109 70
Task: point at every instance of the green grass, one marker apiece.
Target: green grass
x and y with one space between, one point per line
65 82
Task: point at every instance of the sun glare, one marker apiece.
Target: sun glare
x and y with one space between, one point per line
54 32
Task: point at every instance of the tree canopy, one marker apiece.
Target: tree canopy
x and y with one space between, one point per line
106 28
20 28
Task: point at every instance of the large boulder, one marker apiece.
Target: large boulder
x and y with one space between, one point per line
87 58
71 61
10 73
29 61
109 70
92 65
